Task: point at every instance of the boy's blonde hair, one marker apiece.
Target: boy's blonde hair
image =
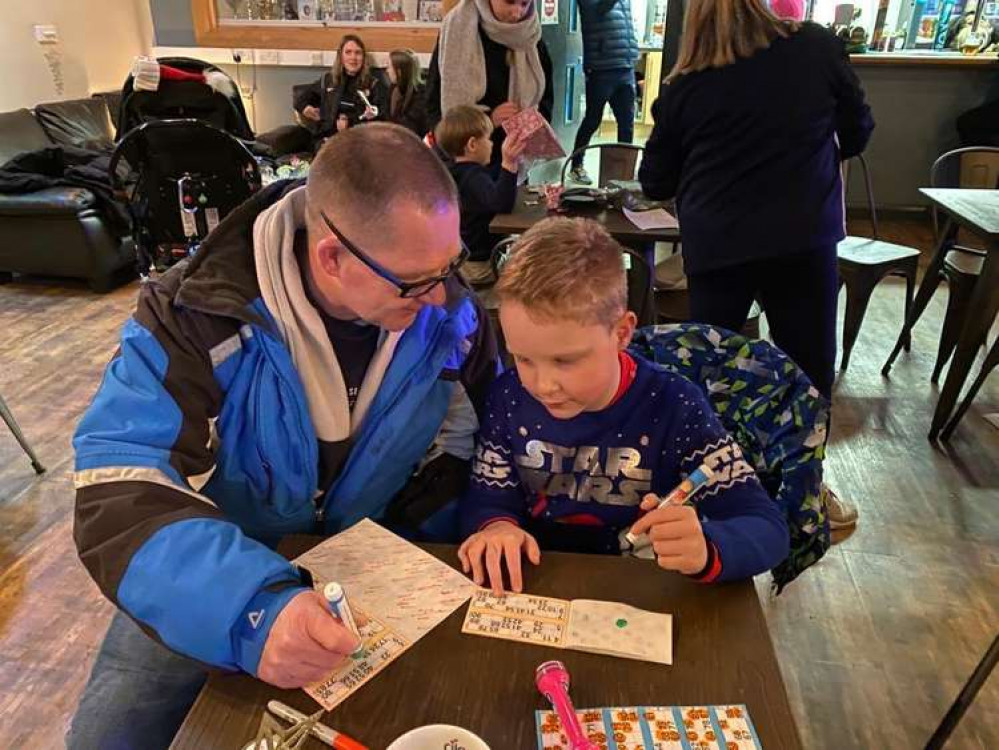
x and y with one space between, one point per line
567 269
458 125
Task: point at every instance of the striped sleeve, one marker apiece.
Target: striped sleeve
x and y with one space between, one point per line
155 546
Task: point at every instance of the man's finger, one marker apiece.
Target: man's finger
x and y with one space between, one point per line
328 632
463 556
512 551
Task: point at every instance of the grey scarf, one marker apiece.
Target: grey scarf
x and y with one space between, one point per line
302 328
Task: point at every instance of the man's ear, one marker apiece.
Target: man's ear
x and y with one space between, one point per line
624 329
329 255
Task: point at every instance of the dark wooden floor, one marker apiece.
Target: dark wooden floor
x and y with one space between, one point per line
874 642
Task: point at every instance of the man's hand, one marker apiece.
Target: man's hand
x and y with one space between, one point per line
305 644
311 113
676 535
513 147
498 540
503 112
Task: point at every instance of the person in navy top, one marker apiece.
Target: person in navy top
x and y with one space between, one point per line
749 134
581 439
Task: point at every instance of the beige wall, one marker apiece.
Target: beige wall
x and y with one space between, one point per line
97 41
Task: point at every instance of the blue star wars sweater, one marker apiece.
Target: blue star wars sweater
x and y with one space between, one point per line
575 484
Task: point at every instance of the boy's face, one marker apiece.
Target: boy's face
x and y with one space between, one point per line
480 149
569 367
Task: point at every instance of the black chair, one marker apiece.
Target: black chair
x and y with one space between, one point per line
863 262
961 265
618 161
180 179
8 417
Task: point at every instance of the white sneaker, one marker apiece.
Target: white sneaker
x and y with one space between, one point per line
842 515
579 174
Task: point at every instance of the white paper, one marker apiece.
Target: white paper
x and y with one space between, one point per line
597 627
657 218
408 589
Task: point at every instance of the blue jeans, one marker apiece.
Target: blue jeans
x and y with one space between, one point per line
602 86
138 693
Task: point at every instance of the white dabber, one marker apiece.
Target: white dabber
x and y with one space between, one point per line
335 595
698 478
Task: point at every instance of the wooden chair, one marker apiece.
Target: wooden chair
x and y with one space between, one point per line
618 161
8 417
863 263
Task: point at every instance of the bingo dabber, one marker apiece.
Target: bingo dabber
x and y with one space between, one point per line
335 595
552 680
682 494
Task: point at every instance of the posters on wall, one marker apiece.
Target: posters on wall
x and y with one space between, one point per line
548 12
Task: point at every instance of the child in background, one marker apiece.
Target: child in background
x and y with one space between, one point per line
465 135
407 100
581 439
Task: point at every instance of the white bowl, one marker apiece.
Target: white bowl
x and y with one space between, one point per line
438 737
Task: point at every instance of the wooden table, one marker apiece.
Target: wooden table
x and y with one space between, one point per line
722 654
978 212
526 216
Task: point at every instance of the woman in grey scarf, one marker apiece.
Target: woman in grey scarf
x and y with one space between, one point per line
490 54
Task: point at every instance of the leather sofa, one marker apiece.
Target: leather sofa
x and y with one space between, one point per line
59 231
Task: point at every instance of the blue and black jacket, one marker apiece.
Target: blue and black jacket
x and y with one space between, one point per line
198 452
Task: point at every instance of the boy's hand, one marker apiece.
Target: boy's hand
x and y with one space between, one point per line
305 644
676 535
496 541
513 147
503 112
311 113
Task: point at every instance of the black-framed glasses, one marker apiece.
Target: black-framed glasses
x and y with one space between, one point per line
407 289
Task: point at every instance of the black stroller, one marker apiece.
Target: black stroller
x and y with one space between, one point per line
185 99
180 178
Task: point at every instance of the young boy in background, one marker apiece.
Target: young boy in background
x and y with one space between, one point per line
581 439
465 135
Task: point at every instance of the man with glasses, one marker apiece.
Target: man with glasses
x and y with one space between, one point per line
316 363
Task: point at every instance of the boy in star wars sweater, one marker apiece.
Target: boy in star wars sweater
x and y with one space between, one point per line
581 439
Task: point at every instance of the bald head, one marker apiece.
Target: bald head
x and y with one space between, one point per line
362 173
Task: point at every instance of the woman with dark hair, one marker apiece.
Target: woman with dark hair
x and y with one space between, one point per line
348 94
750 130
407 97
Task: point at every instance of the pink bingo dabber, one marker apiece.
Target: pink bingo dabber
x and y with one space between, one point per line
552 680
